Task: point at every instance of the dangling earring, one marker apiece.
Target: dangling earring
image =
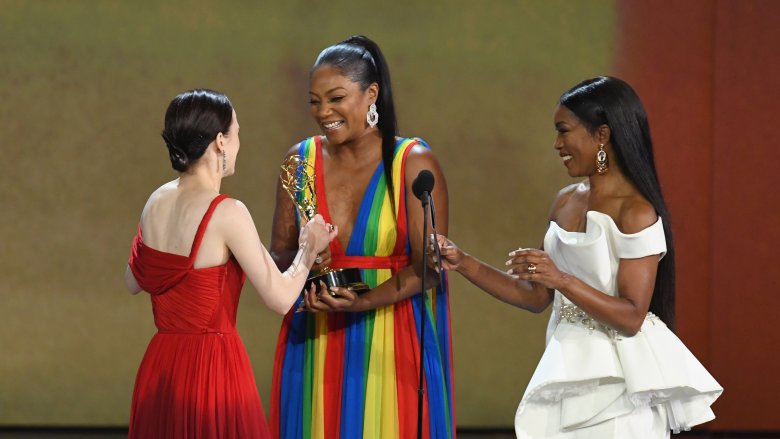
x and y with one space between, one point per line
372 117
224 162
601 160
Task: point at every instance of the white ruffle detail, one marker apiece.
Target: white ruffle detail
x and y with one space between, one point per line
554 392
588 377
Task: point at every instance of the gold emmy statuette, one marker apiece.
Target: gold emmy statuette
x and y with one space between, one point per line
297 179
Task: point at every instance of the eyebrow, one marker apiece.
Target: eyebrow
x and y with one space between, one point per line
330 91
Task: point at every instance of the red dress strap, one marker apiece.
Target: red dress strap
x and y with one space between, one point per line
319 192
203 224
401 221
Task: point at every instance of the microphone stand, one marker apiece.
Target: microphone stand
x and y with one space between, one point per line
426 199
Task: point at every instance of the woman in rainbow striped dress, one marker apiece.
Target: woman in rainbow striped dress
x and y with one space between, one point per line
347 366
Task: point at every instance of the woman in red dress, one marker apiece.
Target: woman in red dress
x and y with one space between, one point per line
192 252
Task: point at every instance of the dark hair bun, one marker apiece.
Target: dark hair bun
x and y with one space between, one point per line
179 159
192 122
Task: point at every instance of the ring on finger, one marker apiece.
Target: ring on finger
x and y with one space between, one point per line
531 268
318 259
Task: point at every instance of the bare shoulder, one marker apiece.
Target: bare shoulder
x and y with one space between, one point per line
636 214
567 191
161 193
419 158
565 195
293 150
231 214
420 154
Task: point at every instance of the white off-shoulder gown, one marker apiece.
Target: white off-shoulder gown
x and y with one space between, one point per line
594 383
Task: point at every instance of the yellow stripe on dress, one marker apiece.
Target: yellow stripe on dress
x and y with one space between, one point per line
386 235
381 415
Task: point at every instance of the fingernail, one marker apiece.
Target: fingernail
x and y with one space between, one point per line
508 262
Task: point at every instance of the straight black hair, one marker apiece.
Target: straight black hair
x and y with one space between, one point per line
192 122
361 60
611 101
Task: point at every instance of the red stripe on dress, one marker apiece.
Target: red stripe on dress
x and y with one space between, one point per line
394 263
319 194
401 238
407 372
334 375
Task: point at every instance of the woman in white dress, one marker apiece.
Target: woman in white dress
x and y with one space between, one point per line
612 368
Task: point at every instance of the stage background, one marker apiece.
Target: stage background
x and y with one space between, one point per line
83 89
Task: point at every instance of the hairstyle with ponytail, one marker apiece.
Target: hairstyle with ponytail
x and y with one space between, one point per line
610 101
192 122
361 60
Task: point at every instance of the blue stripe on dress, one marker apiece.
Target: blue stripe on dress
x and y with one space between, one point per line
356 240
433 372
353 384
291 400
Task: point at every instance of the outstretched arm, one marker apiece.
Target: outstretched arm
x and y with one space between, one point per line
499 284
278 290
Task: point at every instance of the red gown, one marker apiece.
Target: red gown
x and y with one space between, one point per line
195 380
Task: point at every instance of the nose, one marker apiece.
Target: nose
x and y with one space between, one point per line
323 110
557 143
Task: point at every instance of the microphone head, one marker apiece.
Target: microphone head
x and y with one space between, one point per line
423 183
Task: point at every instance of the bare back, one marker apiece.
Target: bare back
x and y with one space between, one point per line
170 221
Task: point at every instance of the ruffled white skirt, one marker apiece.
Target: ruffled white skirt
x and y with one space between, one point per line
591 383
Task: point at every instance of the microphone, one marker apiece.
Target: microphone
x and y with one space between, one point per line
423 184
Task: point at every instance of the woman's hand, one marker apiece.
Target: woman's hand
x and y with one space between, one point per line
450 255
318 298
322 260
318 234
534 266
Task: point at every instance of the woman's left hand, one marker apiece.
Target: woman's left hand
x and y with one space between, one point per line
329 300
323 260
534 266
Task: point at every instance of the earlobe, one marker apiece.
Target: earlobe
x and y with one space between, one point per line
605 134
373 92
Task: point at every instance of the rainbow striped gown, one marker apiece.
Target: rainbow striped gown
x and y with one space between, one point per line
356 375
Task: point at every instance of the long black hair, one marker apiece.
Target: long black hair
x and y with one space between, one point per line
610 101
192 122
360 59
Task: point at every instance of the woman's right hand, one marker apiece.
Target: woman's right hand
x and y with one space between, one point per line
318 234
451 255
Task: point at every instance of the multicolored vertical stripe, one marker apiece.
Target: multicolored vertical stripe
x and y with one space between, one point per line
356 375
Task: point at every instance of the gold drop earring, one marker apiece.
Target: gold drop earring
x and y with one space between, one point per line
602 162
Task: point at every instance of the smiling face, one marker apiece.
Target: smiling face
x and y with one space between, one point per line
575 144
339 105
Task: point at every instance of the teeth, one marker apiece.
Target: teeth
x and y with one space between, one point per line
566 158
332 125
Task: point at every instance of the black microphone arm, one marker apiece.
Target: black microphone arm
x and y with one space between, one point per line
422 186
